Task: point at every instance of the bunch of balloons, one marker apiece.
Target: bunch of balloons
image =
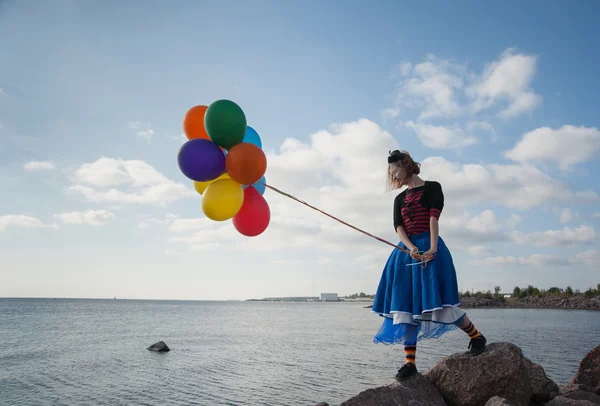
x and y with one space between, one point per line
224 158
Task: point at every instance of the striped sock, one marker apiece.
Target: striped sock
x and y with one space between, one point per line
471 331
410 351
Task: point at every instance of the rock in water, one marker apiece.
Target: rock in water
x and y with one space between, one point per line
159 347
417 391
467 380
588 374
498 401
544 389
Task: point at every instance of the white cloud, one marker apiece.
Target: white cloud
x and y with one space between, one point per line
479 250
19 220
471 229
566 215
134 124
324 261
518 186
180 225
93 218
565 237
587 257
442 137
444 88
597 214
2 92
480 125
121 181
536 260
39 165
566 146
539 260
431 87
171 252
145 134
506 82
180 138
142 226
513 221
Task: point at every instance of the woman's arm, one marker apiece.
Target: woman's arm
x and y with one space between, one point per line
404 238
434 233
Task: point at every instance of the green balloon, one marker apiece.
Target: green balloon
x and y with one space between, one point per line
225 123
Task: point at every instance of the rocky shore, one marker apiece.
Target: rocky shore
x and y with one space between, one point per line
533 302
501 375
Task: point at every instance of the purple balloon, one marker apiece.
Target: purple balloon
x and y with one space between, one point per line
201 160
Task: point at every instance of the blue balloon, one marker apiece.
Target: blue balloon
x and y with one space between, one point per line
252 137
259 186
201 160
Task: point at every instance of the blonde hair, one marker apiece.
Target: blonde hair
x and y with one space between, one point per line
406 165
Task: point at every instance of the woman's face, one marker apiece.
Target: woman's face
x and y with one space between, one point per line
397 172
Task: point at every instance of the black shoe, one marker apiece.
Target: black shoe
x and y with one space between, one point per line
477 345
407 371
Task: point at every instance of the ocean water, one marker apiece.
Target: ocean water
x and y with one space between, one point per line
93 352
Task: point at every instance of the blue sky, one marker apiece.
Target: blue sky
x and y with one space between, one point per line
496 101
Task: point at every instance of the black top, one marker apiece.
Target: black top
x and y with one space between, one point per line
431 199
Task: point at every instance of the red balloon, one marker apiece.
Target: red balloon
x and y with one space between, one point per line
254 216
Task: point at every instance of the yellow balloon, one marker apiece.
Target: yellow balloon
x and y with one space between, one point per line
222 199
201 186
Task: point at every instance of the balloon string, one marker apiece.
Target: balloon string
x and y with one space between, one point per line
419 256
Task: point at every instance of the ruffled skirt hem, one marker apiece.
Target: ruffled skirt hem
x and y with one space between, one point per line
405 328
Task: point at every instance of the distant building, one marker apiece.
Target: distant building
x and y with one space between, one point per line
329 297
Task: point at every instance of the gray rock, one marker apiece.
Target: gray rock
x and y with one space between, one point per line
588 373
159 347
417 391
322 404
572 387
498 401
583 395
562 401
466 380
543 388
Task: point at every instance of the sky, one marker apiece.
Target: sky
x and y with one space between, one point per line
498 102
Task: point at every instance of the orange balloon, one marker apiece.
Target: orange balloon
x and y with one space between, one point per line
193 123
246 163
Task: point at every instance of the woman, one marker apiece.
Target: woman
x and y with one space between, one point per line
418 292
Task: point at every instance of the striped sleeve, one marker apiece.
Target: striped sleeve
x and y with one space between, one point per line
436 200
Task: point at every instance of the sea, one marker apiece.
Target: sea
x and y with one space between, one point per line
94 352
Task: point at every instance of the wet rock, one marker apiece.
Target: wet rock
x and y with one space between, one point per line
159 347
466 380
562 401
588 373
498 401
417 391
543 388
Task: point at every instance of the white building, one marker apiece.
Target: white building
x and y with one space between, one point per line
329 297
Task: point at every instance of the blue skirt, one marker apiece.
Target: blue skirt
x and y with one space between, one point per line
417 302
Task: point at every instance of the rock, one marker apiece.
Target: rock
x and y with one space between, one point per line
322 404
466 380
583 395
417 391
588 373
562 401
543 388
572 387
159 347
498 401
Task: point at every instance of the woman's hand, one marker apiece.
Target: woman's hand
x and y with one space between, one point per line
414 251
431 252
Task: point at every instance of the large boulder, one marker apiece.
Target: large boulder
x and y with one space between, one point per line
583 395
466 380
563 401
417 391
588 374
543 388
498 401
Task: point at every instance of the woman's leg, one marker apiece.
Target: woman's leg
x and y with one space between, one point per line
478 341
410 352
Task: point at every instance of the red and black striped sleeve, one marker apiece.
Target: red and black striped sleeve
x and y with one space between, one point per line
436 200
398 221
